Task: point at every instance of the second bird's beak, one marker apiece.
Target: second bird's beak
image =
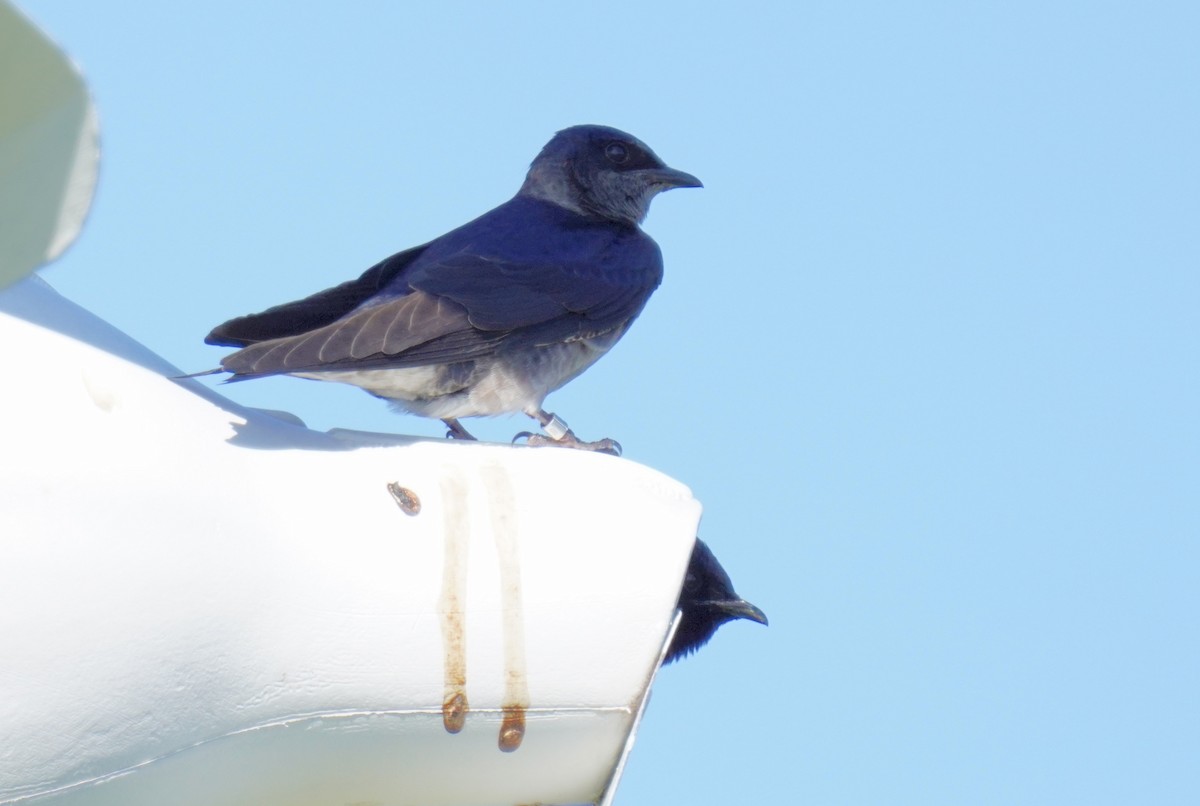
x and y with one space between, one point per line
740 608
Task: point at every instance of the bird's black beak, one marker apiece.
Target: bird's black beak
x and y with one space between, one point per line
669 178
740 608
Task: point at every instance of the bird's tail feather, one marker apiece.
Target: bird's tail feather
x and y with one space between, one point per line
213 371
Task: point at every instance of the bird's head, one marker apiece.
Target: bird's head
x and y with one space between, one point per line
706 601
601 171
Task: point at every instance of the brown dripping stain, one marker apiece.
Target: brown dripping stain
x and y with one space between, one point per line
454 673
506 531
454 589
512 729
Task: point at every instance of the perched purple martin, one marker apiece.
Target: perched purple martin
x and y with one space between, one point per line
493 316
706 601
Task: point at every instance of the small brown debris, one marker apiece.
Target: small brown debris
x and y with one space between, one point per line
405 498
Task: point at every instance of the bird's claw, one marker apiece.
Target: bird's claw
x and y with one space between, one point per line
569 440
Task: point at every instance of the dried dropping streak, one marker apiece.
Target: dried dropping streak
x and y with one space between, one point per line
501 500
454 589
405 498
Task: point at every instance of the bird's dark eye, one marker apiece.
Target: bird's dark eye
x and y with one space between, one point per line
616 153
691 582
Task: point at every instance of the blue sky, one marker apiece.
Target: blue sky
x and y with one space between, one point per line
926 348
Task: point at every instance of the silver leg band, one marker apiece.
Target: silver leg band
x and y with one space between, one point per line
556 428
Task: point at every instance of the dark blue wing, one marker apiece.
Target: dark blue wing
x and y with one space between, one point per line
530 262
525 273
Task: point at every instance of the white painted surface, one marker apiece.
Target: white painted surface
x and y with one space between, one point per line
202 604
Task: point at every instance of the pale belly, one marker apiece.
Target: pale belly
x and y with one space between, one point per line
496 385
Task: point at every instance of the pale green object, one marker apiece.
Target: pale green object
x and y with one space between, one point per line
49 150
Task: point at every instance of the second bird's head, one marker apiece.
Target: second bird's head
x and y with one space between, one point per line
706 601
601 171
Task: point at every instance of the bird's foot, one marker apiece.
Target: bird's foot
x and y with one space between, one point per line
455 430
559 435
569 440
